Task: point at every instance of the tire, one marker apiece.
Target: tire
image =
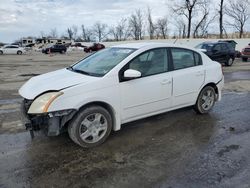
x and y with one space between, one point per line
244 59
207 95
19 52
1 52
229 62
63 52
90 127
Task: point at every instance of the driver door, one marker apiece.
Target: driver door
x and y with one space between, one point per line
152 91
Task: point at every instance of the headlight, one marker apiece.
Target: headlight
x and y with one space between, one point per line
42 103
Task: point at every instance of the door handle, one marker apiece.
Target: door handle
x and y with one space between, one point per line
199 74
164 82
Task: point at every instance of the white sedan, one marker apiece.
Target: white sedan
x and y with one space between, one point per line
117 85
12 49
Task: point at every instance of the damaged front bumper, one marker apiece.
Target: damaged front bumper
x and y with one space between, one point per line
53 123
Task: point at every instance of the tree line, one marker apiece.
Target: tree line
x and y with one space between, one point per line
189 18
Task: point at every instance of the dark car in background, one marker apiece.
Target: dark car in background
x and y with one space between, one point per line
233 44
57 48
78 44
94 47
222 52
245 53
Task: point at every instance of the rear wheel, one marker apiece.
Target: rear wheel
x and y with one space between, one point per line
91 126
229 62
244 59
1 52
206 100
19 52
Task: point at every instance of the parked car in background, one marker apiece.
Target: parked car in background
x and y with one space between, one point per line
94 47
222 52
78 44
233 44
119 85
57 48
245 53
12 49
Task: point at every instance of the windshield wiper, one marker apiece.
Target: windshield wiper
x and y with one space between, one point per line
77 70
80 71
83 72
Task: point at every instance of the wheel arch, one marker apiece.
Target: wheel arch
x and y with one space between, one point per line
212 84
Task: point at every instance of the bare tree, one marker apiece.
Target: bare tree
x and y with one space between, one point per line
151 26
120 31
70 33
100 31
187 8
238 10
113 31
200 23
221 13
74 30
86 34
53 33
181 28
136 25
123 30
162 27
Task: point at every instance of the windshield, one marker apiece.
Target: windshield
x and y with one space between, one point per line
206 46
100 63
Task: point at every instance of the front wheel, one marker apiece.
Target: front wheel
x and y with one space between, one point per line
205 101
91 126
1 52
19 52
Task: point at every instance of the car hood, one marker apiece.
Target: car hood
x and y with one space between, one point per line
53 81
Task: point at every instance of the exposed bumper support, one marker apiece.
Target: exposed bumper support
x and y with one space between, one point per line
52 123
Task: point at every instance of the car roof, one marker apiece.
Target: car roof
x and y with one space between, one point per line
140 45
215 42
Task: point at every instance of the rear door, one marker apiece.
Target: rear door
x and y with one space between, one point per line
225 52
217 53
188 76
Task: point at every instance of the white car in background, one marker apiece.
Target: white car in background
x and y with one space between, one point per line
117 85
12 49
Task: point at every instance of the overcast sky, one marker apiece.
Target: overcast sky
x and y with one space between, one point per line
20 18
29 17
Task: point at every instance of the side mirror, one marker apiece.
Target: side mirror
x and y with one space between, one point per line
203 50
131 73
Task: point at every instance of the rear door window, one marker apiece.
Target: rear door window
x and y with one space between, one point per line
184 58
